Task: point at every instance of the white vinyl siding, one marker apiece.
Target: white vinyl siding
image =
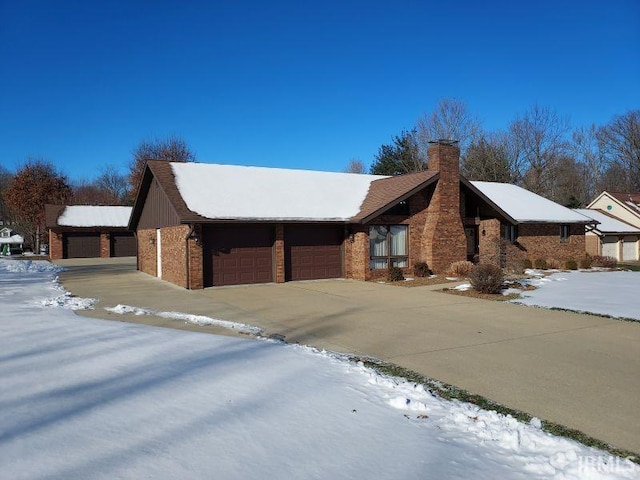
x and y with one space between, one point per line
610 247
630 248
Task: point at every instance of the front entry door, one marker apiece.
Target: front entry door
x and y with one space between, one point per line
472 241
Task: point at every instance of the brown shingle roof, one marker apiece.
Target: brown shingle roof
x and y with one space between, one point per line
51 215
630 199
386 192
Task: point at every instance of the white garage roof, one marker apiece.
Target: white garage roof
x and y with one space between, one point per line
94 216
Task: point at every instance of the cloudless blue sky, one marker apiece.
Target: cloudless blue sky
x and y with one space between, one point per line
295 84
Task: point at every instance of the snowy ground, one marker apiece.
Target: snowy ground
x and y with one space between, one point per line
84 398
606 293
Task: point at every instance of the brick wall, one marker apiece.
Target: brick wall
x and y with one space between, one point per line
279 254
543 241
55 245
174 254
147 254
443 237
592 244
105 245
196 273
489 243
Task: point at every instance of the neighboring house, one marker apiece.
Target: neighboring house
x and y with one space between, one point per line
624 206
84 231
201 225
10 241
611 237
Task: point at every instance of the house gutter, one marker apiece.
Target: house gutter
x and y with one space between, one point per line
192 229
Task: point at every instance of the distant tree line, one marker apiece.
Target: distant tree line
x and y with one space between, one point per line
23 194
538 151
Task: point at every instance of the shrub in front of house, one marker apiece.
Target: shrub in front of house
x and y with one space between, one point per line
585 262
540 264
604 262
554 264
571 264
461 268
486 278
421 269
394 274
526 264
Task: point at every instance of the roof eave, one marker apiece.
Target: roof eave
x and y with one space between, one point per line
401 198
494 205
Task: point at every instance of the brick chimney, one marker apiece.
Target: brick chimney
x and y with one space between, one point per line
443 239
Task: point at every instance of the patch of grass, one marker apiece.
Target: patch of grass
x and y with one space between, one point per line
451 392
634 267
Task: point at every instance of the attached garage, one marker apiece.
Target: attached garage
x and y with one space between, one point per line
237 254
630 248
313 251
123 245
610 247
80 245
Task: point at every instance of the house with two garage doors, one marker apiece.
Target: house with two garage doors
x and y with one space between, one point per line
200 225
85 231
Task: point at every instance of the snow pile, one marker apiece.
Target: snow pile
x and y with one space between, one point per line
463 287
68 301
28 266
604 293
187 317
94 216
270 193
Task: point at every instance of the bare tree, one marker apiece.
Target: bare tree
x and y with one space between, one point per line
112 181
450 120
488 159
587 149
620 140
172 149
355 166
539 141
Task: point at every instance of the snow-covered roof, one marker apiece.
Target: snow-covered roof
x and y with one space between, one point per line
245 193
94 216
607 223
525 206
12 239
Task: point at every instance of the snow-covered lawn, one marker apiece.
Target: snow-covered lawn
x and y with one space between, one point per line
607 293
84 398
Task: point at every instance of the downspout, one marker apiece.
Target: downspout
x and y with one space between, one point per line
192 229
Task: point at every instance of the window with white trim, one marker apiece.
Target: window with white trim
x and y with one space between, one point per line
388 246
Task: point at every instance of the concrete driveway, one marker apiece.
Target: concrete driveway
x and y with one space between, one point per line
581 371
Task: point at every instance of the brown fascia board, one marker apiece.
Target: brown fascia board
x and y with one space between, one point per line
51 215
471 187
405 186
163 173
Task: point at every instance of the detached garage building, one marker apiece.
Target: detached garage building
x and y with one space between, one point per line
611 237
202 225
86 231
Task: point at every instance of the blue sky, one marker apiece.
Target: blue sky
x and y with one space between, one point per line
295 84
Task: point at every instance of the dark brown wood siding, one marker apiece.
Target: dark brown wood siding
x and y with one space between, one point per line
313 251
80 245
238 254
123 245
157 211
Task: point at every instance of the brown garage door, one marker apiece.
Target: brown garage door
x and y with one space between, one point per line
80 245
123 245
238 254
313 251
